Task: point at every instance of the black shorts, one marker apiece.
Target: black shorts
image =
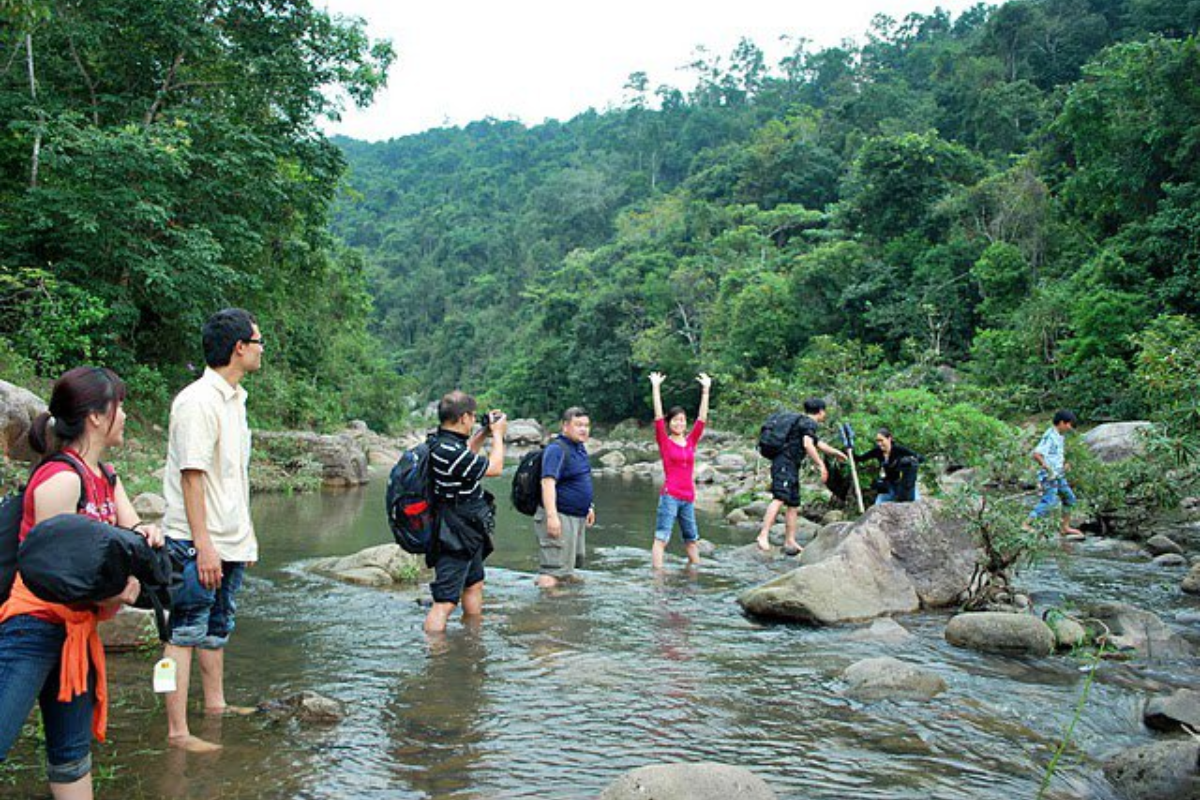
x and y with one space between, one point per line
454 573
785 481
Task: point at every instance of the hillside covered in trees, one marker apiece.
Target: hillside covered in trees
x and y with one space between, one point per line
1002 208
163 159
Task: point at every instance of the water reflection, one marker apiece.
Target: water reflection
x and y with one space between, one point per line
434 720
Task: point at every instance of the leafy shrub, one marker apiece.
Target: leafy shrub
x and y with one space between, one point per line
959 433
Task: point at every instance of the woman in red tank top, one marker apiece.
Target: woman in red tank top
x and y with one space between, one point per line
38 659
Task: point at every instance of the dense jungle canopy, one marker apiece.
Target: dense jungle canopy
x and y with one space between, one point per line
1000 209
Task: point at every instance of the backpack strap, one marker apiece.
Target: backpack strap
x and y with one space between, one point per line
63 458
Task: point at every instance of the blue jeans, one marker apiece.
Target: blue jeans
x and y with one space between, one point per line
1052 490
890 495
670 509
30 650
203 617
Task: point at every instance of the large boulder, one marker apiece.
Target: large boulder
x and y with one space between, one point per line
888 678
1131 628
703 781
380 450
1159 771
898 558
1116 441
1170 712
382 565
343 461
18 407
524 431
1000 632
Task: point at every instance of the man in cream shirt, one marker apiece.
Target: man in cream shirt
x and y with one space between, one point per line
207 523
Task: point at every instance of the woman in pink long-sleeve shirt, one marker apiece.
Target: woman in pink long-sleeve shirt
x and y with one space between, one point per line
678 450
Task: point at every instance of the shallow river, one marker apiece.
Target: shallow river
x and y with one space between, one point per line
554 697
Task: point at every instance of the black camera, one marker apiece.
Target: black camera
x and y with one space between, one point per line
488 417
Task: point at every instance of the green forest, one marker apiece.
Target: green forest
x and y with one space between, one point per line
996 212
998 209
162 159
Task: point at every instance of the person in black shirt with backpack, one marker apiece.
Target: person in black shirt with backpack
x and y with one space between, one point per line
898 484
802 439
465 512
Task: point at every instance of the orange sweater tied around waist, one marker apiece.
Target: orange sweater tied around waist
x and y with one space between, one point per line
82 645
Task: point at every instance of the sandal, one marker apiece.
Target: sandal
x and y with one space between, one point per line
792 550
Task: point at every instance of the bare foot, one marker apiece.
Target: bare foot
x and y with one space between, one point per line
192 744
764 544
1072 532
228 711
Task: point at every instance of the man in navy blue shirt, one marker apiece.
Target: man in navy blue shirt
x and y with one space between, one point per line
567 511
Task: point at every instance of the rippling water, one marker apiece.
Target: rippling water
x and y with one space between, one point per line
555 696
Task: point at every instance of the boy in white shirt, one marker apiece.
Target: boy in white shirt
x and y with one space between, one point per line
1050 454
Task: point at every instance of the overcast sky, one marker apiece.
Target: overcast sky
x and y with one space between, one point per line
539 59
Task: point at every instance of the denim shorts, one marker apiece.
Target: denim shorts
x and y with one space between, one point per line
202 617
30 650
1053 490
671 509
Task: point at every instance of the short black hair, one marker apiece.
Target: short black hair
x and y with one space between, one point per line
1064 415
675 411
573 412
814 405
454 404
223 331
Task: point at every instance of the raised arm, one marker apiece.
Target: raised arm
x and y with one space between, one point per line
705 386
656 379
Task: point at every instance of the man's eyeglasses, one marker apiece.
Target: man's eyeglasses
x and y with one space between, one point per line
258 341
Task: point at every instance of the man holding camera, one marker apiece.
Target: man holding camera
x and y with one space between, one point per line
466 513
567 512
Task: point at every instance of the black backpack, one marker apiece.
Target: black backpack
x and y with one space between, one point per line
12 509
906 491
527 483
410 506
774 438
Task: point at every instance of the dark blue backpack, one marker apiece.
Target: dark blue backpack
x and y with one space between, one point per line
773 438
410 507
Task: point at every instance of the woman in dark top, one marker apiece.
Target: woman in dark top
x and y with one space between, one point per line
898 484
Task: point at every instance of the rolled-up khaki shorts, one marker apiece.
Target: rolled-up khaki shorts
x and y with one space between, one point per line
562 556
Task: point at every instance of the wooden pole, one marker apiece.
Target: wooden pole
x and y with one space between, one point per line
854 477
